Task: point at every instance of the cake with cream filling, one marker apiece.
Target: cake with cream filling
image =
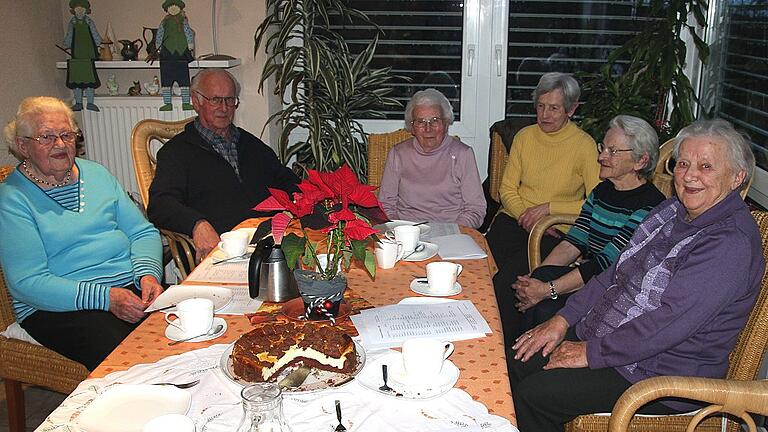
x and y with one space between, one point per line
261 354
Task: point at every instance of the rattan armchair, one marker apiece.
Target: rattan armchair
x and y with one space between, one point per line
497 162
147 137
745 360
379 146
22 362
737 398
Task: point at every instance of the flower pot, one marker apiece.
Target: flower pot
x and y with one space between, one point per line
321 297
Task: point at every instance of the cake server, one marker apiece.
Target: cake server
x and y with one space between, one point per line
295 378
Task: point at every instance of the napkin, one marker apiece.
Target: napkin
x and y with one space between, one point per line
458 247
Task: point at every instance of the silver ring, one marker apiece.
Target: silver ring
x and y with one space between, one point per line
530 336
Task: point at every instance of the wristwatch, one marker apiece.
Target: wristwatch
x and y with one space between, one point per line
552 292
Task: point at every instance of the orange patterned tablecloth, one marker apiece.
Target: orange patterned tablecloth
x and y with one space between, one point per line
481 361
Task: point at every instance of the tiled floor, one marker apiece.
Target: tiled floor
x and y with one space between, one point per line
39 403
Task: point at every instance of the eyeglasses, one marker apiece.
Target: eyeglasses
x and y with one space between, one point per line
230 101
49 139
611 151
424 123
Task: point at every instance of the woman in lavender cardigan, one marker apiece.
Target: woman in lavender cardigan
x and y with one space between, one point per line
432 176
672 304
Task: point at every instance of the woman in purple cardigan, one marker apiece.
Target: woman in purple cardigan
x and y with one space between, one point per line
672 304
432 176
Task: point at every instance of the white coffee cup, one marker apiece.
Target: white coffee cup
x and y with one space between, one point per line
234 243
423 358
408 235
388 253
195 316
170 422
442 275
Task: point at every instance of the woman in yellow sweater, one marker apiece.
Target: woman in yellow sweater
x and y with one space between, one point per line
552 167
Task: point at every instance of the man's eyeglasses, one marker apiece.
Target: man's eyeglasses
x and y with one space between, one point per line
424 123
230 101
49 139
611 151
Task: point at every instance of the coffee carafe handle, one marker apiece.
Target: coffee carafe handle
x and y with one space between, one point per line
254 265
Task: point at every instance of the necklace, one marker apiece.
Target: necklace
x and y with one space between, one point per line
43 182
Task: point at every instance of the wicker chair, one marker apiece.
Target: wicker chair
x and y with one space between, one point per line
144 138
25 363
497 161
745 360
379 146
737 398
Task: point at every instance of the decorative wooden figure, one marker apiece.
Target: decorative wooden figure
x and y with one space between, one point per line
83 40
175 45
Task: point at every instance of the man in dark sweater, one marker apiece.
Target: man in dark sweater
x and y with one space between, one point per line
210 176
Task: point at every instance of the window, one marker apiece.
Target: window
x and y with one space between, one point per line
735 86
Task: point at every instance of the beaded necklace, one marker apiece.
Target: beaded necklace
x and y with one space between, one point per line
44 182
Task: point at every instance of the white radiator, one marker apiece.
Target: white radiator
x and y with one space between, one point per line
108 132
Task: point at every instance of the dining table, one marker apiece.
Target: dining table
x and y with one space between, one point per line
481 361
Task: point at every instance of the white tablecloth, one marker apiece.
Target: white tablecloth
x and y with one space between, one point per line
216 402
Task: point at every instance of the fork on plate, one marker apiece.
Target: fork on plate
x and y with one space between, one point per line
340 427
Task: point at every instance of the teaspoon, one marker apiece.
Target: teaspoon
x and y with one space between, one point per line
210 332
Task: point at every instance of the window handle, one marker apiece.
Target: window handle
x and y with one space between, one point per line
497 54
470 59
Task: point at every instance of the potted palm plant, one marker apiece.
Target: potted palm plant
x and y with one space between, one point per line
655 77
323 87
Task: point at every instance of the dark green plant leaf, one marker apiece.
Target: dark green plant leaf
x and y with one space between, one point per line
293 247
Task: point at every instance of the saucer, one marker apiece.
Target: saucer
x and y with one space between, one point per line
420 286
388 226
175 334
430 250
398 380
220 255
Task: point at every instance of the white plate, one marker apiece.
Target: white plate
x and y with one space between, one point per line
371 378
386 226
430 250
420 286
174 334
220 296
317 380
424 300
126 408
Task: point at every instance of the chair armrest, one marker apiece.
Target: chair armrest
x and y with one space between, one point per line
534 238
729 396
182 250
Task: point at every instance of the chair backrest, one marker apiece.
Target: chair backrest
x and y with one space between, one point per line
497 163
147 137
747 356
6 311
379 146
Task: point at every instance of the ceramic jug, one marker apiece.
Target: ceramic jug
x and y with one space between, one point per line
151 43
130 49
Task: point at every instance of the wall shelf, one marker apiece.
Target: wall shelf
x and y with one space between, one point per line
141 64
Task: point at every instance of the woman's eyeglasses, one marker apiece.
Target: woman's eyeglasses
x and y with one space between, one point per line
611 151
230 101
425 123
49 139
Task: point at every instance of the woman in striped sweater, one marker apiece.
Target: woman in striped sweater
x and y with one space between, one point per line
613 210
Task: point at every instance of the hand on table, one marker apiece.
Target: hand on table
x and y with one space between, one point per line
529 292
150 289
531 215
205 238
569 355
126 305
545 337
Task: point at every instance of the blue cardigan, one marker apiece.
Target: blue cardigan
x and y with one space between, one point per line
61 260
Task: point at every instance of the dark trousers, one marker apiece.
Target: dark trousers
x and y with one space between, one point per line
546 308
547 399
86 336
508 242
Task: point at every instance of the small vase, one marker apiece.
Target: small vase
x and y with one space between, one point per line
322 298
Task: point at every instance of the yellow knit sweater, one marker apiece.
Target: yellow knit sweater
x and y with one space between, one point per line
559 168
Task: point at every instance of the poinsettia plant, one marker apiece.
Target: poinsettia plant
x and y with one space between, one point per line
338 205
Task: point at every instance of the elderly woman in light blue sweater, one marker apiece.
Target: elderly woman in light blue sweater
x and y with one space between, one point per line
81 261
432 176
